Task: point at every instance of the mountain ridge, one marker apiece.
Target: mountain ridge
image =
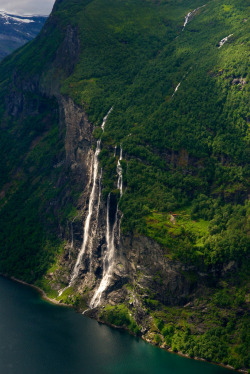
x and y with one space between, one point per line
16 30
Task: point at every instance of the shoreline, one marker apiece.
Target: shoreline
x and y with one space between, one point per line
169 350
39 290
53 301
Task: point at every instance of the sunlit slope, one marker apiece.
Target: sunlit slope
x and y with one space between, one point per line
180 110
181 113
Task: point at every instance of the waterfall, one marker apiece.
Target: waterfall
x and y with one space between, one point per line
224 40
120 187
72 236
87 239
187 17
190 15
176 89
108 261
90 211
119 172
105 119
99 197
94 231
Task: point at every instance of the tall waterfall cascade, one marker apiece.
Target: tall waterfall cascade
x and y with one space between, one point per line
90 212
120 187
190 15
109 258
107 261
96 189
224 40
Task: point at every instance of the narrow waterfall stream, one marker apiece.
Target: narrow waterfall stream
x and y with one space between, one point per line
224 40
190 15
96 182
108 262
119 172
105 119
90 211
120 187
176 89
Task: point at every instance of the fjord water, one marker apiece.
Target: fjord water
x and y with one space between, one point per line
37 337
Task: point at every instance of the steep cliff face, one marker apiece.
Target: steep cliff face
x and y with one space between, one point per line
120 194
138 261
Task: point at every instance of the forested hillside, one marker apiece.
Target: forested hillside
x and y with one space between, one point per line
176 75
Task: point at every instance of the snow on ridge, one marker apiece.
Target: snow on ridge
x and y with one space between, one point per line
24 20
28 15
9 17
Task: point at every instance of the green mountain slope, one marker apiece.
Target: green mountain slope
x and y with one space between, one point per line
181 115
190 147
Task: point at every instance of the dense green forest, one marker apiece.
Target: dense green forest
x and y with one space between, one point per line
184 153
181 115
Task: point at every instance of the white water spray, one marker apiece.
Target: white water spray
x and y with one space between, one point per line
120 187
92 198
119 172
90 211
105 119
190 15
94 231
176 89
224 40
108 261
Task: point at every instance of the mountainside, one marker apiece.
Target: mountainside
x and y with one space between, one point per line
16 30
124 168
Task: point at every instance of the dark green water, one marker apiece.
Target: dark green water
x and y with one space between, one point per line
40 338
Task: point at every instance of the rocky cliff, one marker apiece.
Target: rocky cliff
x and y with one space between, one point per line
120 194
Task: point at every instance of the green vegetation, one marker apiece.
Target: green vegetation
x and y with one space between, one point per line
185 153
215 327
187 150
119 315
211 233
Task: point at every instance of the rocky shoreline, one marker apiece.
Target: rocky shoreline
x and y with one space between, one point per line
151 341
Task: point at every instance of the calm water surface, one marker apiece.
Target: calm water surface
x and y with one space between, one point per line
37 337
